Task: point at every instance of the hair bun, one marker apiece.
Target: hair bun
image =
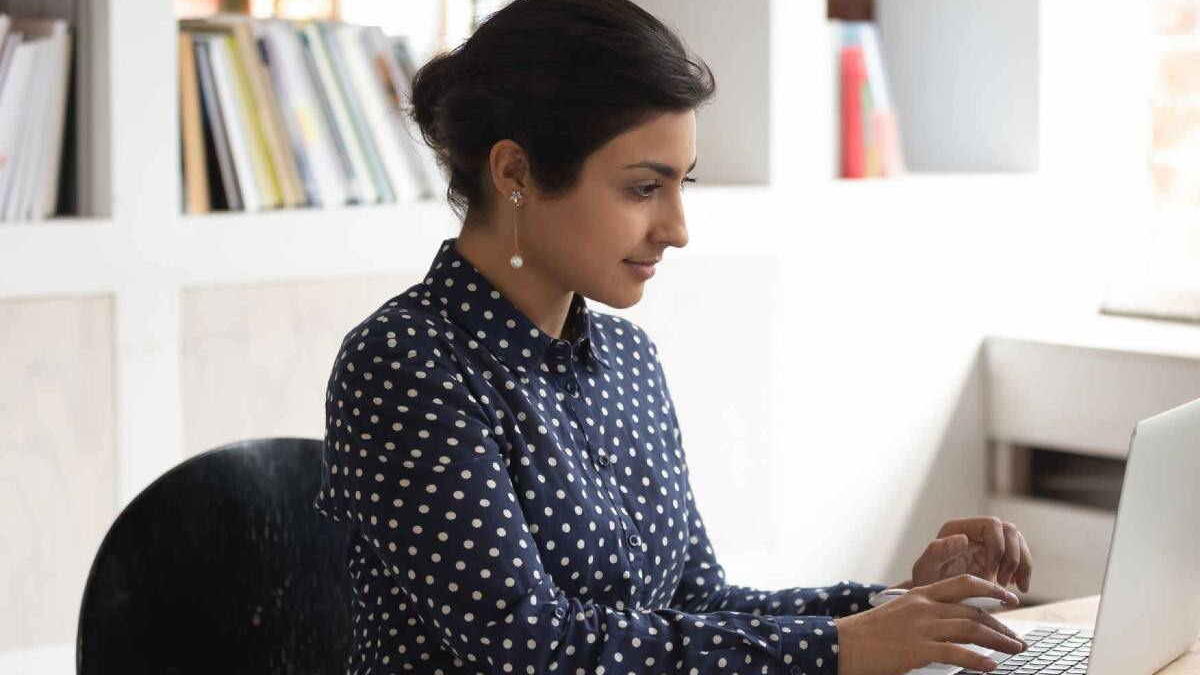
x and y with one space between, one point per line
430 86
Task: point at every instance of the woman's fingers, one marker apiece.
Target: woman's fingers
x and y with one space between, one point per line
963 586
966 631
952 654
1025 571
1011 559
957 611
987 530
942 557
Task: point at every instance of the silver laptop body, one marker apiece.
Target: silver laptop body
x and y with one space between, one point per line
1150 603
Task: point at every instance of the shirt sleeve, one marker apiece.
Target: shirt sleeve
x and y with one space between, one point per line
411 460
703 587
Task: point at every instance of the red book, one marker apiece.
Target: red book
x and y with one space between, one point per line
853 79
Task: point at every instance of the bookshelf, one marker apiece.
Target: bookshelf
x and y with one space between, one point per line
766 193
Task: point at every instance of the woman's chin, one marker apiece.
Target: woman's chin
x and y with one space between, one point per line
624 297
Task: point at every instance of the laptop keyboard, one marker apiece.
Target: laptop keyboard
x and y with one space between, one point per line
1051 651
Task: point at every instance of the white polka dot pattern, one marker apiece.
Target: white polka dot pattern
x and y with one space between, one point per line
523 505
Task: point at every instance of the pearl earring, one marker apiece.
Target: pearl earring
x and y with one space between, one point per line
516 261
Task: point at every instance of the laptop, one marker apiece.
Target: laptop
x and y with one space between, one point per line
1150 603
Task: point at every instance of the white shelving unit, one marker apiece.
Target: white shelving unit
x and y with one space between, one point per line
766 199
1075 385
145 252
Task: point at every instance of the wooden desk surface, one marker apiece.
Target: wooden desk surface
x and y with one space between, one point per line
1082 612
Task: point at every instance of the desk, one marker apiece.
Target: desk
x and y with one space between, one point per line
1082 612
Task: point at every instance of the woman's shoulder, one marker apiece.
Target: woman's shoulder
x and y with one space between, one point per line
402 353
398 327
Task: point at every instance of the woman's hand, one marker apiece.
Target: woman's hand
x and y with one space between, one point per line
921 627
985 547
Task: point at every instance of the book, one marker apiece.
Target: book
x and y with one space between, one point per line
378 174
884 126
275 152
195 173
402 54
853 142
264 107
375 110
298 113
24 145
868 130
306 121
35 67
9 47
252 116
357 169
339 130
270 54
219 157
398 91
232 114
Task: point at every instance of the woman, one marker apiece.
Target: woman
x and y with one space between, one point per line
512 459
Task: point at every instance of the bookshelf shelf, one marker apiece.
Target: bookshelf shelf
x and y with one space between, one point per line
229 248
64 255
60 221
310 217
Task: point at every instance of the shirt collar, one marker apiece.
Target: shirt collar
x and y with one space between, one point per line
458 291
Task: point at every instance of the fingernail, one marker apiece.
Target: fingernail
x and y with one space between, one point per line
1012 597
989 664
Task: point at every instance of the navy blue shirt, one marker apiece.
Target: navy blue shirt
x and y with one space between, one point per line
522 502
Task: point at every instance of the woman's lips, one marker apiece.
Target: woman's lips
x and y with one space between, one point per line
644 270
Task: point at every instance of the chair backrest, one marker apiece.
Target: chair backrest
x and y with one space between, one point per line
222 565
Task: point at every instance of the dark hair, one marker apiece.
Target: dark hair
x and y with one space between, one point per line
560 78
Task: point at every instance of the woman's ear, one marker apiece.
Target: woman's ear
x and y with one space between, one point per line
508 166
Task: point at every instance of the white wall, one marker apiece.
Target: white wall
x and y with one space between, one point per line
863 335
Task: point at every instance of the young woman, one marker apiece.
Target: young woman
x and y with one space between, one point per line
512 459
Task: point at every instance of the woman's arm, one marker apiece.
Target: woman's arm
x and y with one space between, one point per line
411 461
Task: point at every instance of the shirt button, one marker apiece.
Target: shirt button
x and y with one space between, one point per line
572 387
634 540
795 670
602 460
560 612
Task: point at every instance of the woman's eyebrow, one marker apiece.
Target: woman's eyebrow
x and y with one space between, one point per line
664 169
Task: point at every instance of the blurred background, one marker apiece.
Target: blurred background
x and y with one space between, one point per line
959 236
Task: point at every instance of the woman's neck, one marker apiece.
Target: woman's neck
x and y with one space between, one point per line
526 288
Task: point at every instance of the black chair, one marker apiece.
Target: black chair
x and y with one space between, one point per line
222 565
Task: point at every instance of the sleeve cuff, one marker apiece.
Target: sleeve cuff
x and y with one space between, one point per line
850 597
808 645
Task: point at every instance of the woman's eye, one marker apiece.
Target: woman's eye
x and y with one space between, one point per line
647 191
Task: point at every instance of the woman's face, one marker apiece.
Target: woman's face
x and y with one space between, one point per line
626 206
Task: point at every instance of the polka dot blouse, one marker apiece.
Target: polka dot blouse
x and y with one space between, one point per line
522 504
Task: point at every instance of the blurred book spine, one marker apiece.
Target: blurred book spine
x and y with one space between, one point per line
869 135
296 113
35 69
